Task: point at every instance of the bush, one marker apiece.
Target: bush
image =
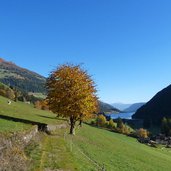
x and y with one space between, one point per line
93 122
101 120
142 133
41 105
120 124
111 124
166 126
6 91
119 127
122 128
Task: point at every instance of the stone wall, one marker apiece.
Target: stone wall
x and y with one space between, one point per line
51 128
12 157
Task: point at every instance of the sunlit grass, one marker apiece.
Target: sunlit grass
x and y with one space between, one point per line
26 111
92 148
23 111
10 126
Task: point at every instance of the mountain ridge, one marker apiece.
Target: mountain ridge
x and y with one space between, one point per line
134 107
105 107
155 109
21 78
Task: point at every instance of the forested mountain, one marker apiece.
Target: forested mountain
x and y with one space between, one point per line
157 108
134 107
105 107
20 78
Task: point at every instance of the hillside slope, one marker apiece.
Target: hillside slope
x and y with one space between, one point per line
97 149
22 79
89 149
157 108
107 108
22 111
134 107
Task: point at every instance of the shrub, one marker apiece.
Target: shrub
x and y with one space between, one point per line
41 105
101 120
111 124
166 126
142 133
122 128
93 122
120 124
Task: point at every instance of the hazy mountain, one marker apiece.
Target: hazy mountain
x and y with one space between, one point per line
20 78
134 107
105 107
157 108
121 106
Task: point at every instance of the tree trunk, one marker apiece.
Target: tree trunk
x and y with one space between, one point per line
80 124
81 120
72 128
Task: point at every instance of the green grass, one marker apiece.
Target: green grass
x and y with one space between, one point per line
119 152
56 152
23 111
26 111
92 147
88 150
10 126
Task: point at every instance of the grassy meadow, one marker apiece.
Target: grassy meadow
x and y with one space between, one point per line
23 111
10 126
90 149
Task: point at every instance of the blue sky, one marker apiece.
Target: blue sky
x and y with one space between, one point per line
124 44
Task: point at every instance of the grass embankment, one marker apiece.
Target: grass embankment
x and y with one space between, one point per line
23 111
91 148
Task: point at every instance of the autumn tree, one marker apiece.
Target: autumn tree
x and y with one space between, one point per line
111 123
142 133
101 120
71 93
41 104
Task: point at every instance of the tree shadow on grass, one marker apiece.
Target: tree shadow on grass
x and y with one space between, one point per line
48 117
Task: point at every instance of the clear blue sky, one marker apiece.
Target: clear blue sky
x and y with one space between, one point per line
124 44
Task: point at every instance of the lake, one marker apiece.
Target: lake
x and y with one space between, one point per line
126 115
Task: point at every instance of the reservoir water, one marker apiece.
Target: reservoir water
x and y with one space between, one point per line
126 115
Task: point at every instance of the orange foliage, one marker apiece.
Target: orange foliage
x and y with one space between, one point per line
71 93
41 105
142 133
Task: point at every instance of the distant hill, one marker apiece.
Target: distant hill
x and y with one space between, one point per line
107 108
134 107
20 78
157 108
121 106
